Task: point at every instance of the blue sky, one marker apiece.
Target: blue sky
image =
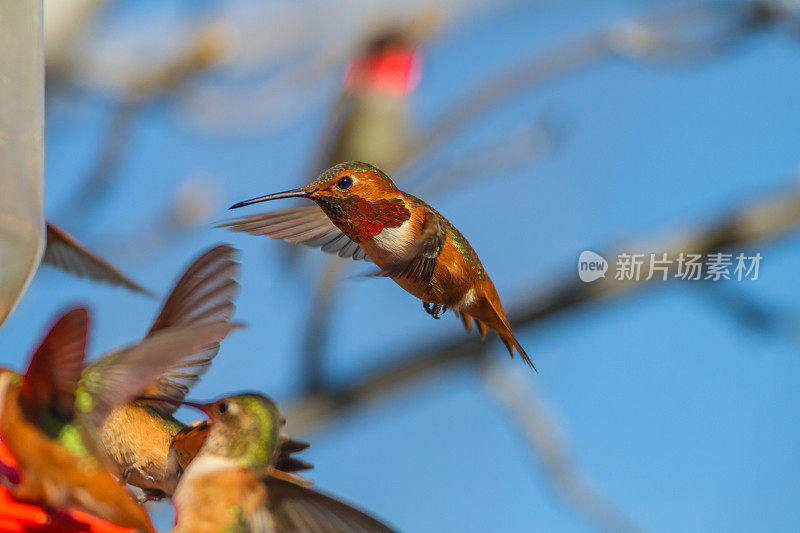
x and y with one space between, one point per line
681 416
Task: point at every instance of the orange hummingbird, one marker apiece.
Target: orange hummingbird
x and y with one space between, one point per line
360 213
49 418
137 435
148 446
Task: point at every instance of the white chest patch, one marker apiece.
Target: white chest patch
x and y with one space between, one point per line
395 240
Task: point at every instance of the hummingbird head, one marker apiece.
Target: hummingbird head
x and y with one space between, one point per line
358 197
244 427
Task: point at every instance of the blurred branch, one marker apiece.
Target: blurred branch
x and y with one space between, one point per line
753 313
682 32
558 62
525 144
202 53
317 326
517 396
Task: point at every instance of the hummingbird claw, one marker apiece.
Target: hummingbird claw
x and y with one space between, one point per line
435 310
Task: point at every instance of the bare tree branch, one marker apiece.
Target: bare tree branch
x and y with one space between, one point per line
518 397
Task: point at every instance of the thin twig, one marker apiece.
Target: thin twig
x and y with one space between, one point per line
519 399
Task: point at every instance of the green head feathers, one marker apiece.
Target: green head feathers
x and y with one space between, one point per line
351 167
244 427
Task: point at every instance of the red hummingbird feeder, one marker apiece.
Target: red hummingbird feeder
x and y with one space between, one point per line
17 517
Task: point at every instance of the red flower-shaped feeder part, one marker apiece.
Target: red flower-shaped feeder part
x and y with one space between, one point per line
18 517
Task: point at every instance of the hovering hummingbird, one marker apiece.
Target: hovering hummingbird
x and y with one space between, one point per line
234 485
49 417
149 447
360 213
137 436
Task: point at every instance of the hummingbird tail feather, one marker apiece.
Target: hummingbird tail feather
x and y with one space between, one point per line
467 320
499 323
481 328
511 342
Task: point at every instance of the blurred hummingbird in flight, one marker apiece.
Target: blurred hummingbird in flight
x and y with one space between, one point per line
49 418
137 436
149 447
360 213
233 483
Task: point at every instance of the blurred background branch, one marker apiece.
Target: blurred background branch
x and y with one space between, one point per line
518 397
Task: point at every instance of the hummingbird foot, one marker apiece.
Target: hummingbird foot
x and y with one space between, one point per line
435 310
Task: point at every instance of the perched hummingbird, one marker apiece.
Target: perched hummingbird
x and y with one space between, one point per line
360 213
233 484
137 436
49 418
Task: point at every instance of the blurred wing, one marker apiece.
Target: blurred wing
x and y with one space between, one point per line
65 253
308 225
298 509
121 375
204 294
54 371
419 262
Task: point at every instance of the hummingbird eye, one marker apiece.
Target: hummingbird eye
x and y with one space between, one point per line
344 183
222 407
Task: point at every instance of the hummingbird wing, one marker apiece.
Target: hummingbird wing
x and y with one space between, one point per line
123 374
419 262
308 225
54 371
65 253
204 294
298 509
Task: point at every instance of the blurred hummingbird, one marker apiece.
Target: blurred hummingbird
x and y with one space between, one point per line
137 436
360 213
369 119
49 418
233 484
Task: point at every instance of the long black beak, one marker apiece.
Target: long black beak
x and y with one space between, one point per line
294 193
